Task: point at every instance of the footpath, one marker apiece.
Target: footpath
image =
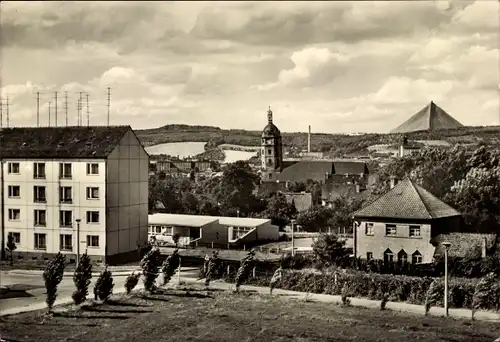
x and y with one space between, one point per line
287 294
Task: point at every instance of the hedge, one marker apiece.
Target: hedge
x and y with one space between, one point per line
373 286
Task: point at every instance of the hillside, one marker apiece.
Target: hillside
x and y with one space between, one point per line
334 145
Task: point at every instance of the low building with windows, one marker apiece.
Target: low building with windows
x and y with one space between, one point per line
60 182
404 225
218 231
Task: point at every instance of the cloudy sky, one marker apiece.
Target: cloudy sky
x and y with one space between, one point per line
338 66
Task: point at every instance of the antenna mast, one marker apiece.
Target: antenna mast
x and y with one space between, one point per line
88 115
56 108
66 106
81 107
37 109
49 113
7 105
109 101
1 111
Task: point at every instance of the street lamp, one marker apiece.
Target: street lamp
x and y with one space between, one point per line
446 245
237 212
293 241
78 241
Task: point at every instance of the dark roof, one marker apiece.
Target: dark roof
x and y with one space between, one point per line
407 201
462 243
301 200
271 131
304 170
331 191
60 142
350 167
431 117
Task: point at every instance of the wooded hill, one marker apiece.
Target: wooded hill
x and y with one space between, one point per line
335 144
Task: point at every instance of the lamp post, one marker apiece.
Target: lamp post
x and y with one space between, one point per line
78 241
446 245
293 241
237 212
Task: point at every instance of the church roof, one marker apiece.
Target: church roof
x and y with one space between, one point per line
431 117
271 131
407 201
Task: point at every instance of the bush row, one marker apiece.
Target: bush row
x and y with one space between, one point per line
374 286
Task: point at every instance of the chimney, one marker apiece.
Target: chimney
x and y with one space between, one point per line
483 248
309 140
393 182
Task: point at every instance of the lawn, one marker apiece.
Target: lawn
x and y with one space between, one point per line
197 315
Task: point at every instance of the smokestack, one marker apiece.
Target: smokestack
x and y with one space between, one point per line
309 140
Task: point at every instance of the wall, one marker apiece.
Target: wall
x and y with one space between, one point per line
267 231
79 206
379 242
127 196
214 232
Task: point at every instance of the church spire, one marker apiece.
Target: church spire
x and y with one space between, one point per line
270 115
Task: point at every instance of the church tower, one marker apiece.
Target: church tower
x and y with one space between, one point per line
271 150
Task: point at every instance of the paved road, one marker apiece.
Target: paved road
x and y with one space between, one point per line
35 287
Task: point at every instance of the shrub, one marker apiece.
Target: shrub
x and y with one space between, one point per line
170 265
104 286
81 278
328 249
132 281
433 294
52 276
213 264
277 276
384 301
244 270
11 247
483 295
345 295
150 265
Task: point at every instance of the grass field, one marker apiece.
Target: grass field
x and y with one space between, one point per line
197 315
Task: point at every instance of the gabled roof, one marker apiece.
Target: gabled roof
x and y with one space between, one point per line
60 142
304 170
301 200
431 117
407 201
349 167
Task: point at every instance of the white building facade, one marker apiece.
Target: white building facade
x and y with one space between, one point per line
92 182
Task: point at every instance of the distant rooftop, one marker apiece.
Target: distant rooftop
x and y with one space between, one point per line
201 220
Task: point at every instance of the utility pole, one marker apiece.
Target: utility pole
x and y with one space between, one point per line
78 112
78 241
7 108
56 108
1 111
81 107
49 113
66 106
109 102
37 109
88 115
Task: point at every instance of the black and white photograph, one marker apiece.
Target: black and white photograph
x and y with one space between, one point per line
223 171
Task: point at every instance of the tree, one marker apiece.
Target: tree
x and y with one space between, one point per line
175 238
477 197
342 209
433 294
246 265
104 286
279 210
277 276
329 249
170 265
483 296
11 247
212 267
52 276
81 278
132 281
150 265
315 219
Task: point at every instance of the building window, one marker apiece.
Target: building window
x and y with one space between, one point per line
416 258
92 169
92 217
65 218
40 218
269 151
92 193
390 230
369 229
402 257
39 194
270 161
414 231
168 231
92 240
65 194
14 168
39 171
369 256
238 232
14 191
14 214
65 170
388 256
40 241
66 242
16 237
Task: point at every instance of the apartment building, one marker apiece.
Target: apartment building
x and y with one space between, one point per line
60 182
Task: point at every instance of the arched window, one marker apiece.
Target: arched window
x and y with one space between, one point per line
388 256
416 258
402 257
